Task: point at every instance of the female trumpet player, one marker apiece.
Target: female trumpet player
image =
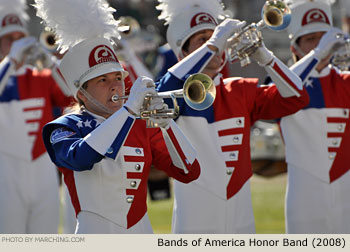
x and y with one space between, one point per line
107 152
220 200
29 197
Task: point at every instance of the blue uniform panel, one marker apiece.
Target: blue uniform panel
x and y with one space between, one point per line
11 91
72 151
315 93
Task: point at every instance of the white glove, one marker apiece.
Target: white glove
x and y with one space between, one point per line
224 31
19 48
330 42
141 87
262 55
155 104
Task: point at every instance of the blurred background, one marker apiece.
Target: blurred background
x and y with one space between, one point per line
267 191
154 31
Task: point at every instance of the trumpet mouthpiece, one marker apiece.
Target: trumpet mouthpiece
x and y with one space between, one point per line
115 98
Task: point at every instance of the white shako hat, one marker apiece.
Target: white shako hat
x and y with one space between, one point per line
13 16
309 16
85 29
186 17
87 60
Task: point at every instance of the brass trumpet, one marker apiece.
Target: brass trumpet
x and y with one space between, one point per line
48 39
198 92
276 15
341 57
128 26
39 54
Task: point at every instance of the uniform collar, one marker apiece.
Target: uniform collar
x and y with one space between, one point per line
325 71
98 117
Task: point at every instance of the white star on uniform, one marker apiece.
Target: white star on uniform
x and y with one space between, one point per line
308 83
87 123
97 122
80 124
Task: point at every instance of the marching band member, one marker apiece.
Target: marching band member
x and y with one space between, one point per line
317 138
29 197
220 200
107 152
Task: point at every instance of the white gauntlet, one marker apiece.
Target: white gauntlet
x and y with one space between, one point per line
156 104
262 55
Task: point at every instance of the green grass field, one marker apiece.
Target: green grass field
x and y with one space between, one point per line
268 205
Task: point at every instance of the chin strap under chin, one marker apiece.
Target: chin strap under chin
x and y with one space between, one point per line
98 106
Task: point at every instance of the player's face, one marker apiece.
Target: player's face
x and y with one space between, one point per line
7 40
102 88
309 42
196 41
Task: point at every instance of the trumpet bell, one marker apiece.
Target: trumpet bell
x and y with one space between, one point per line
199 91
276 15
128 26
48 39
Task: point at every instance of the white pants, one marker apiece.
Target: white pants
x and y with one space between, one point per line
29 196
68 212
199 211
91 223
314 206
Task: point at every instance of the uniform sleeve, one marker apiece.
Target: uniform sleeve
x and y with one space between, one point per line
68 149
7 68
267 103
162 160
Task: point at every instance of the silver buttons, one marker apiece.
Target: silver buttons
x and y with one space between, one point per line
110 150
229 172
129 199
138 151
340 127
137 167
133 183
331 156
236 139
239 121
335 142
232 155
